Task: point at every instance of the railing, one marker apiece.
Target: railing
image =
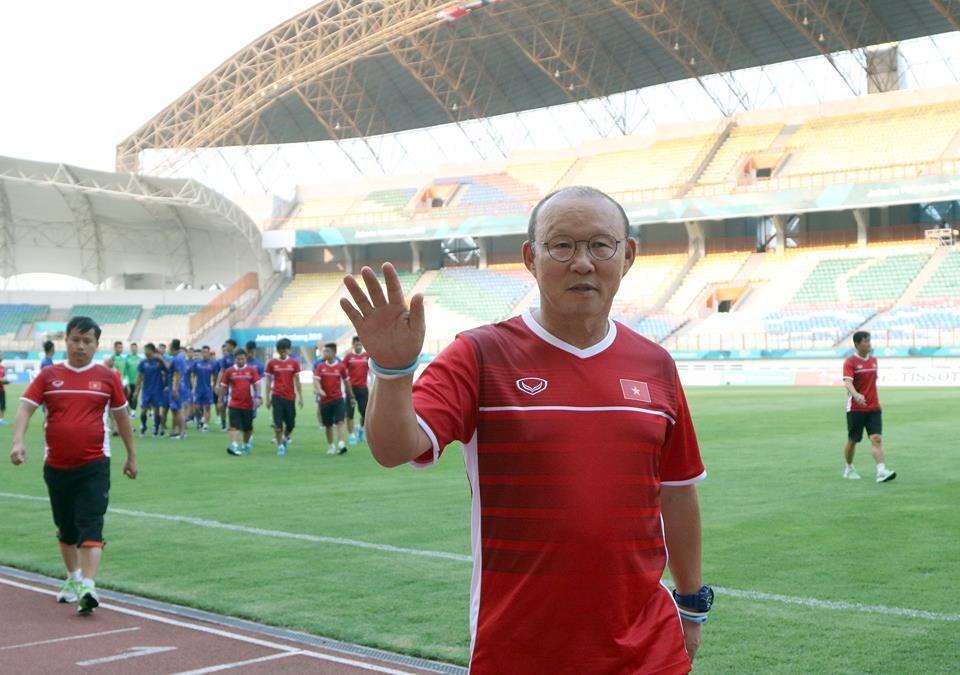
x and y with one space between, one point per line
240 297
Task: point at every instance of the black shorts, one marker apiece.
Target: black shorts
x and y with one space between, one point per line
858 420
361 394
240 419
333 412
284 414
3 399
78 499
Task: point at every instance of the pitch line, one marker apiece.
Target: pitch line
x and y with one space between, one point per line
67 639
423 553
239 664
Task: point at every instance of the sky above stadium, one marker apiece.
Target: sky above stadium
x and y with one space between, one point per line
79 77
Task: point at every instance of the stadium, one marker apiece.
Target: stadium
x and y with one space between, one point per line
790 170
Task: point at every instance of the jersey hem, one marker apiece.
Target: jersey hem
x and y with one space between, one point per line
27 400
433 442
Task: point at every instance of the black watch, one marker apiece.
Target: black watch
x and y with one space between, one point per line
701 601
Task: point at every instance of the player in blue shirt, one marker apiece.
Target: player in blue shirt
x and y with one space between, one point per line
179 389
225 362
47 354
151 380
205 373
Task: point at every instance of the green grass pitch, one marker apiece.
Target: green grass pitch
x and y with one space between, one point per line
778 519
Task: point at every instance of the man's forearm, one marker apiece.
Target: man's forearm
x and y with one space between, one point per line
125 430
850 388
22 421
391 425
681 524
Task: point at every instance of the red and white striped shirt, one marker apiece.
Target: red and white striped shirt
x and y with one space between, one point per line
78 403
566 450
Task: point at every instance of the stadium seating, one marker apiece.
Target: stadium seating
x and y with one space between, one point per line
543 176
646 281
741 142
658 166
483 295
317 213
813 328
913 326
302 299
657 327
714 268
886 280
821 285
168 322
385 201
495 191
14 316
116 321
945 281
881 138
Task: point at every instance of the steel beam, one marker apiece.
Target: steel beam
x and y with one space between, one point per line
8 254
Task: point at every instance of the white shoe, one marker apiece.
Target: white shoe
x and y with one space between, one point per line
850 473
886 476
332 450
68 592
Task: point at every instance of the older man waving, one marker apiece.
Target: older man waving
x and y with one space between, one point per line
579 448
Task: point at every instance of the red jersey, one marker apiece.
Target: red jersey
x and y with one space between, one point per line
330 376
241 381
358 365
3 374
863 373
565 450
78 403
283 371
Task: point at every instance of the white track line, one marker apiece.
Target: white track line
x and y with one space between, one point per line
277 534
72 637
238 664
733 592
219 632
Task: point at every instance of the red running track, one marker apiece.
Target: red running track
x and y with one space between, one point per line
41 636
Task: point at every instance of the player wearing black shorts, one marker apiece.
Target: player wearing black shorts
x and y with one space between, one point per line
329 379
283 392
357 362
863 407
77 460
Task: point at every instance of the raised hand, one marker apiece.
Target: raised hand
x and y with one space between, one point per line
391 333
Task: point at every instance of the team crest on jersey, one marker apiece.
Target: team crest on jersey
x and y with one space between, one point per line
531 385
96 386
57 383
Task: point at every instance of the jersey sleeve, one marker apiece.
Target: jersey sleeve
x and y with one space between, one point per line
270 367
34 393
344 373
255 376
445 398
848 369
118 400
680 462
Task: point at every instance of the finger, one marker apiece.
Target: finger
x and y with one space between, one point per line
373 287
359 297
356 318
392 281
417 320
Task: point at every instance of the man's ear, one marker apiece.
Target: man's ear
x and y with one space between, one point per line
528 257
629 254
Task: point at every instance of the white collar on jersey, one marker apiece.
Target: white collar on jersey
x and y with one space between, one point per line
863 358
80 370
551 339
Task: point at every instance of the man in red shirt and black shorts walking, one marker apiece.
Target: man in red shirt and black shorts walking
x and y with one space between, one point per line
283 379
863 407
358 366
77 395
240 378
328 374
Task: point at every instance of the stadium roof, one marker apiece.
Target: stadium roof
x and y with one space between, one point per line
351 69
95 225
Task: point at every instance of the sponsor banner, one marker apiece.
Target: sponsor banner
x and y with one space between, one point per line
894 372
300 337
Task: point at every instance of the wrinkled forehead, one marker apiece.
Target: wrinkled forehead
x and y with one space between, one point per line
578 215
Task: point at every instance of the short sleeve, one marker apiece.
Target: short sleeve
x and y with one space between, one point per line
848 369
141 366
680 462
255 375
117 398
34 392
270 368
344 374
446 398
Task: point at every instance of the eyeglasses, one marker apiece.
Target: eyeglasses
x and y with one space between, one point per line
600 247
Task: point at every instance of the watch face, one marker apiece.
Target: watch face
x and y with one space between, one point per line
707 592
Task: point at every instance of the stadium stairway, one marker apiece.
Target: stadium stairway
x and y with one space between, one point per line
274 288
675 284
136 335
913 290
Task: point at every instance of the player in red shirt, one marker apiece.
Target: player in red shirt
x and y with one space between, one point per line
358 366
240 379
328 374
283 385
569 545
78 395
863 407
3 393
